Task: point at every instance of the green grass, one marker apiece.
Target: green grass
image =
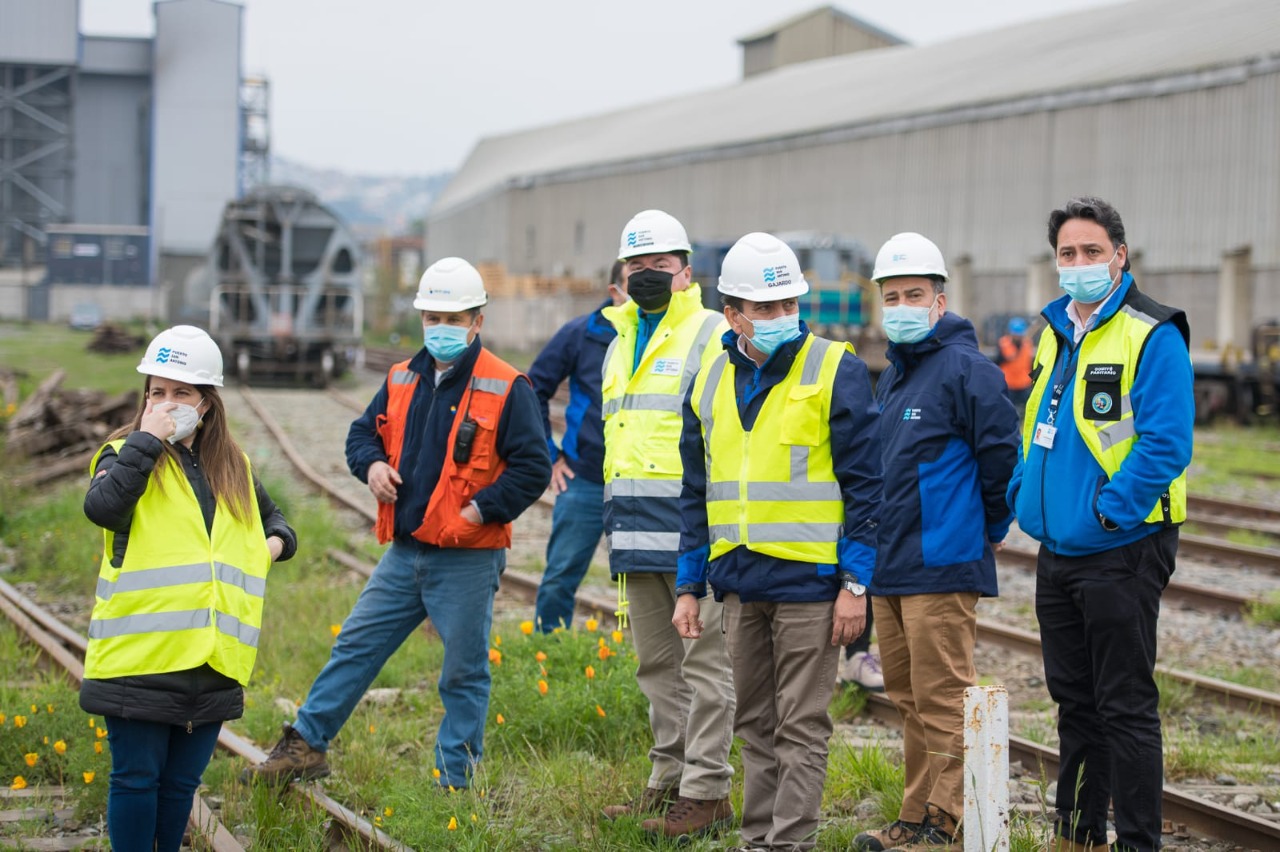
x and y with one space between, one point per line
1265 612
1227 449
40 348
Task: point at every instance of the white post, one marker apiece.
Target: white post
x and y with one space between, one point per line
986 769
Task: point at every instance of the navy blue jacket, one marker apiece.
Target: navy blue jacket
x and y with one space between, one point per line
855 454
521 444
576 353
949 435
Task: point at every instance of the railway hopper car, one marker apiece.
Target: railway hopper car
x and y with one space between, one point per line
285 301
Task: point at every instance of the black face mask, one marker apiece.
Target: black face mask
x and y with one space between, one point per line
650 289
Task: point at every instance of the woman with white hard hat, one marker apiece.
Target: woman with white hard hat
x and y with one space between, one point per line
189 535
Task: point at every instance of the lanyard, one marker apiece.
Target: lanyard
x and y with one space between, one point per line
1068 373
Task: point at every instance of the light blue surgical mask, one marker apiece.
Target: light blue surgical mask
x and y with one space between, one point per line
445 342
1087 284
907 323
773 333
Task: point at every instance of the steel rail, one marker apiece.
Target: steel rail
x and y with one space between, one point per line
1188 595
1201 815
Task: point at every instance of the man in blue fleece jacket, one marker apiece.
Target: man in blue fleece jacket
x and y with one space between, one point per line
1102 486
949 443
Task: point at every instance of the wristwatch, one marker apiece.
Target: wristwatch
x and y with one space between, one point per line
853 586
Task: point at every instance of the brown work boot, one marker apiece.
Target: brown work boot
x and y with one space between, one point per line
897 833
691 817
291 758
938 831
651 800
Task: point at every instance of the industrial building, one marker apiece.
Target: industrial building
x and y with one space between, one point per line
1170 109
117 154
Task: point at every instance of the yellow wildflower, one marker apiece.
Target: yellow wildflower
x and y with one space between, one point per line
60 747
46 740
500 720
590 672
495 656
435 773
388 811
599 711
497 640
100 732
3 718
35 709
19 721
19 783
605 653
453 823
617 635
335 629
49 707
88 777
540 657
97 747
526 627
92 722
474 818
542 687
372 729
592 625
31 758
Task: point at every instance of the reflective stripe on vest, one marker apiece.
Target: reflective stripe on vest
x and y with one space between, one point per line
183 596
774 489
1119 340
642 412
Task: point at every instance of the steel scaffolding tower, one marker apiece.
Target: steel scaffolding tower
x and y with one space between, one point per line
255 133
35 157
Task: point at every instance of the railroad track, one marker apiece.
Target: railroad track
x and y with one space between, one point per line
66 649
1200 815
1187 595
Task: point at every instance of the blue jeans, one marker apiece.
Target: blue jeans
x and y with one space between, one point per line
455 588
576 526
155 770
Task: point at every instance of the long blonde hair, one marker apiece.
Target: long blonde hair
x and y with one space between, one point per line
225 467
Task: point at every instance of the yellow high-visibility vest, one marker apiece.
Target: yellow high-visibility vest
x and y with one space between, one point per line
1103 411
773 489
642 421
182 596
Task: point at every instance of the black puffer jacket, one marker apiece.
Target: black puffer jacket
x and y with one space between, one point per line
197 696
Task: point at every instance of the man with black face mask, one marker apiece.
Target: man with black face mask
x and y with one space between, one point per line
663 332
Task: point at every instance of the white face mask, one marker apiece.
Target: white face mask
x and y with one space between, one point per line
185 419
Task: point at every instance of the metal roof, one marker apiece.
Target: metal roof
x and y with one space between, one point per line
1141 48
865 26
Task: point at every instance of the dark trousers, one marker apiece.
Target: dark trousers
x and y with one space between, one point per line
155 770
1098 617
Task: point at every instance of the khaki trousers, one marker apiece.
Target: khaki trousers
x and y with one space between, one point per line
689 687
926 650
784 670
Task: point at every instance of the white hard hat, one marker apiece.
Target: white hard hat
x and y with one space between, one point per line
908 254
652 232
450 285
184 353
762 268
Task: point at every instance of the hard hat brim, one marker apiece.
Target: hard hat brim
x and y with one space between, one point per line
446 307
773 294
178 375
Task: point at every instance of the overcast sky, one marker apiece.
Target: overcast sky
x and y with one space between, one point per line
409 86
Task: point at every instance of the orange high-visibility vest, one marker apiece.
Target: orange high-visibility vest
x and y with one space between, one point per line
1015 362
442 524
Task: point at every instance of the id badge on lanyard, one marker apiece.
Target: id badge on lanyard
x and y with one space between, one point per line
1046 431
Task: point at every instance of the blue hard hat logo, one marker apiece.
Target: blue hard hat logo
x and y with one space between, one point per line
631 238
770 275
1101 402
162 355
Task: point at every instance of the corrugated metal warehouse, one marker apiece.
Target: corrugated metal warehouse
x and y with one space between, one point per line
99 133
1170 109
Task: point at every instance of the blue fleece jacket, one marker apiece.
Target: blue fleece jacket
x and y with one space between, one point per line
521 443
1058 493
949 440
855 454
576 353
